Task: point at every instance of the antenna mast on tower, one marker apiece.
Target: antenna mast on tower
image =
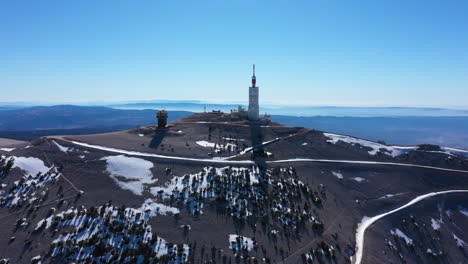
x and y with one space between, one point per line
254 79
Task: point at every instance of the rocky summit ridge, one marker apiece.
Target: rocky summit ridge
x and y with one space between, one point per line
210 188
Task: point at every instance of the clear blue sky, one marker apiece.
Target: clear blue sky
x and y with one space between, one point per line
317 52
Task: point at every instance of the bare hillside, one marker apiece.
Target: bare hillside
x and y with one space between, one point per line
211 189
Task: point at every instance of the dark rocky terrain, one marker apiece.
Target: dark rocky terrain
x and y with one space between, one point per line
210 189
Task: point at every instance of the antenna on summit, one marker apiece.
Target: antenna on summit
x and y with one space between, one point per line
254 79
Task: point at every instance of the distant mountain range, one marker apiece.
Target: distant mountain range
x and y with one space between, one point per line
272 109
32 122
72 117
405 130
292 110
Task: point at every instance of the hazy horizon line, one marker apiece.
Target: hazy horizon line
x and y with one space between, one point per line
211 102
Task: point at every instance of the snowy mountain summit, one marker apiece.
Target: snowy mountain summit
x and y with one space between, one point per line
211 188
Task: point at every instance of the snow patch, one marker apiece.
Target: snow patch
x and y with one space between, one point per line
390 195
462 152
206 144
359 179
433 252
339 175
154 208
448 212
30 165
460 243
218 147
435 224
233 139
239 243
61 148
134 171
463 210
397 232
376 147
36 259
7 149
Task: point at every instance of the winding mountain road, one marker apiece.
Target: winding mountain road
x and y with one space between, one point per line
368 221
250 162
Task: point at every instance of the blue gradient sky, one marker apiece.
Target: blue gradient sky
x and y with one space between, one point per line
315 52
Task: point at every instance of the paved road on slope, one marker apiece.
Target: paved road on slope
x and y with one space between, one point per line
368 221
250 162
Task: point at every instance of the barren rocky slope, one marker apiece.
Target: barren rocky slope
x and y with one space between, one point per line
209 189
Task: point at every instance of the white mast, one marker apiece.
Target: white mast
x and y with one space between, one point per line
253 98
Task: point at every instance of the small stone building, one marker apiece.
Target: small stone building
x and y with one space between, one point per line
162 118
